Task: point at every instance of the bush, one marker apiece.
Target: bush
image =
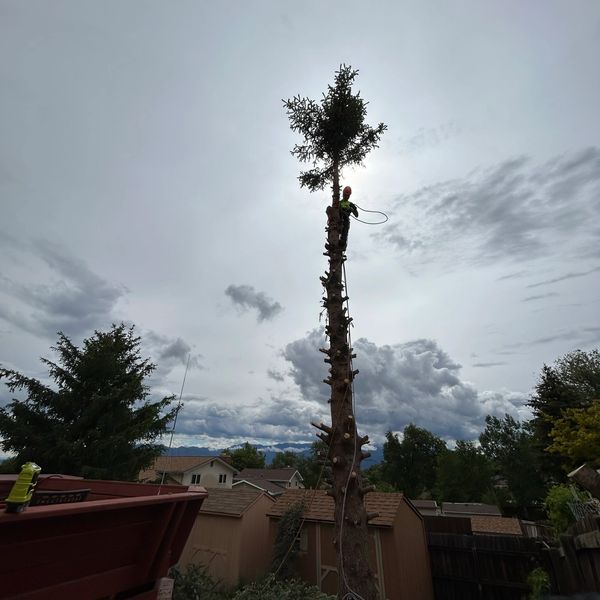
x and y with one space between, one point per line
275 589
287 542
539 582
557 506
195 584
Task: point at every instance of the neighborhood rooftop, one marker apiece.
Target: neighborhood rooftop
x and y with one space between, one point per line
284 474
230 502
320 506
176 464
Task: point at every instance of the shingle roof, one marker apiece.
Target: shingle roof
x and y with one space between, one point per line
500 525
175 464
284 474
424 503
320 505
470 508
233 502
269 486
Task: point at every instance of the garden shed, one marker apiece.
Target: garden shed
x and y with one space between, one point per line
230 537
398 544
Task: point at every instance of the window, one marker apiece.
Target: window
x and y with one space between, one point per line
222 478
212 463
196 479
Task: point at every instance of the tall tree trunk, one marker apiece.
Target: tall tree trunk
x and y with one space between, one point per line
351 535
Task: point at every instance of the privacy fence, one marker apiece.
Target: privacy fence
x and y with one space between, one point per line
496 567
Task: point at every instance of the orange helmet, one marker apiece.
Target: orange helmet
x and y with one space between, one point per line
347 191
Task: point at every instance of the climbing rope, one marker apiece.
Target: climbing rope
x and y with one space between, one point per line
379 212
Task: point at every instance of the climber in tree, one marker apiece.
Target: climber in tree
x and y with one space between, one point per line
346 208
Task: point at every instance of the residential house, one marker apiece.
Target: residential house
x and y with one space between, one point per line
397 543
207 471
230 537
272 481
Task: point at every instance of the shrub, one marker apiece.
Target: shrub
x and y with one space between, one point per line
275 589
195 584
539 582
287 542
557 506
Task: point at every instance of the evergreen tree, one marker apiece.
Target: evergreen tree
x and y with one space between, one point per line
335 136
98 422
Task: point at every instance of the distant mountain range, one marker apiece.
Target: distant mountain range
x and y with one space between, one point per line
269 450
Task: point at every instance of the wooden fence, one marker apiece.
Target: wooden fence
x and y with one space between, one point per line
574 566
494 567
481 567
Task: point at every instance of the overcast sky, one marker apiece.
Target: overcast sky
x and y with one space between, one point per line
145 177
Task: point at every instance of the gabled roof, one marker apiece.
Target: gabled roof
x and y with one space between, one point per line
497 525
264 484
178 464
319 506
230 502
470 508
284 474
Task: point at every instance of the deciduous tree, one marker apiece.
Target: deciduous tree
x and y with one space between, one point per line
246 457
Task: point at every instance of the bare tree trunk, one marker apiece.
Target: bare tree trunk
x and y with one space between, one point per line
351 535
587 478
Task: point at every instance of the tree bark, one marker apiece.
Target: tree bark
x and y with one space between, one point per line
587 478
356 579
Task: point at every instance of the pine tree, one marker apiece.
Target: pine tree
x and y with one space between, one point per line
336 136
99 422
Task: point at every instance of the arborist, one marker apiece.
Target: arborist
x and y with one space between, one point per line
346 208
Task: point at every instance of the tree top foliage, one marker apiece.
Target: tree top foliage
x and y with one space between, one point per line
334 130
98 421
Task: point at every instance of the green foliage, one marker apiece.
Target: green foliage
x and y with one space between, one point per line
510 446
246 457
274 589
334 130
194 583
375 476
286 459
557 506
287 541
411 465
464 474
539 582
572 382
10 465
577 435
98 423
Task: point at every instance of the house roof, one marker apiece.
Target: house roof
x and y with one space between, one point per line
177 464
498 525
320 506
263 484
432 504
231 502
284 474
470 508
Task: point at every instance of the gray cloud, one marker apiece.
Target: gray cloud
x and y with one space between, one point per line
275 375
564 277
540 296
263 420
402 383
170 351
513 210
485 365
429 137
585 336
246 297
76 302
